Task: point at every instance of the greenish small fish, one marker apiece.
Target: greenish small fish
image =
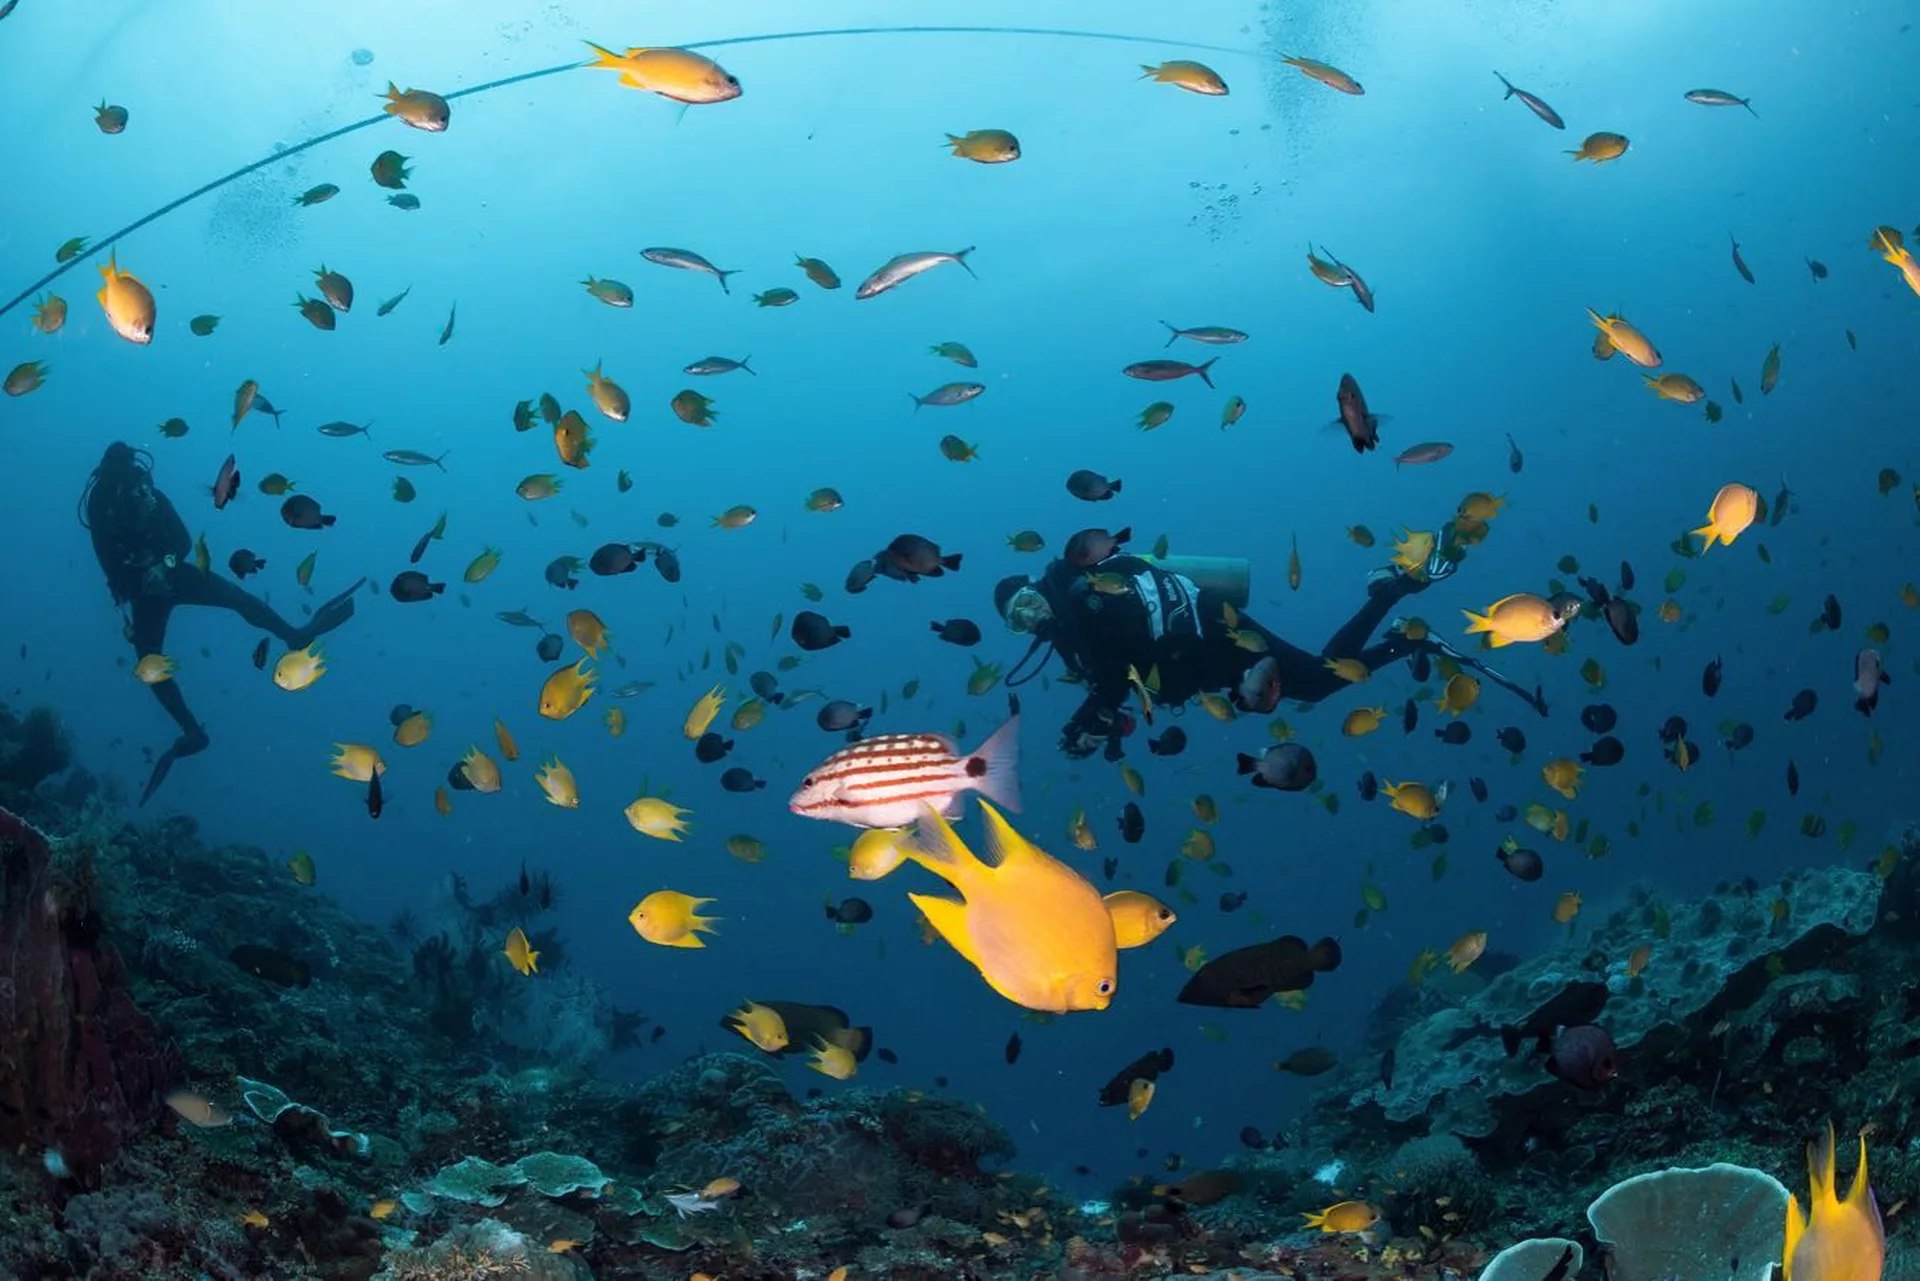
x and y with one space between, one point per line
71 249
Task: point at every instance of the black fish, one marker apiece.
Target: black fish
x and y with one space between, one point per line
1420 666
1596 590
548 647
1513 739
850 911
1148 1067
1454 733
1622 619
1250 1136
1525 864
1793 779
766 685
1171 742
1802 706
1674 730
1478 786
811 631
1012 1052
1091 486
1605 751
710 747
526 883
1108 866
1368 785
271 964
1781 501
226 484
259 655
1819 269
1738 738
886 1056
1363 428
1233 901
1133 824
958 631
1626 577
839 714
911 557
1088 547
667 561
1710 678
1506 814
859 576
616 558
1584 1057
1248 976
1409 717
560 572
376 802
1285 767
302 512
410 587
1830 613
1575 1004
741 779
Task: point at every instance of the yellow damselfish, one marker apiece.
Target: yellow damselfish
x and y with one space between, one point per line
669 918
1035 929
566 691
1138 919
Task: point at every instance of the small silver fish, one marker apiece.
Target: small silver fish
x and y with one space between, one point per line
342 430
413 458
393 302
1431 451
632 689
948 394
519 618
687 260
1719 98
1218 335
718 365
901 268
1533 104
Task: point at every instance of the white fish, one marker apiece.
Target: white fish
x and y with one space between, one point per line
886 781
687 260
901 268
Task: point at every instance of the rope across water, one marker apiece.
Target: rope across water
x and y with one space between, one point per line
107 242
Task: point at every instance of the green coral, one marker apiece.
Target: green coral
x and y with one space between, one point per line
555 1174
476 1181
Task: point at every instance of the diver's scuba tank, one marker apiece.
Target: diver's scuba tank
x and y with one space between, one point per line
1229 577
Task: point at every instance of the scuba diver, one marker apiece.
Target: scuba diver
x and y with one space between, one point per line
1115 619
144 551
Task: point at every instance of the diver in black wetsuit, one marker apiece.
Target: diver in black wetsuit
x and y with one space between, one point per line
144 550
1128 617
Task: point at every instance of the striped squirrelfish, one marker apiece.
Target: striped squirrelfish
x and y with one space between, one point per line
887 780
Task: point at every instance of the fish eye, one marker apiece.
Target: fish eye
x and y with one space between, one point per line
807 781
1105 988
1166 913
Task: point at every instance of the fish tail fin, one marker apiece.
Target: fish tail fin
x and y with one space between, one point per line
951 561
749 368
1749 106
1147 72
949 920
328 520
392 95
1173 333
1202 371
1860 1195
999 760
604 57
1477 622
1314 1221
441 461
960 256
917 402
1509 84
721 276
1709 531
1243 763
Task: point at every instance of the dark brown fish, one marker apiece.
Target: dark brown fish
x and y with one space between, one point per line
410 587
1147 1067
1247 977
1363 428
1160 371
811 631
1204 1188
1584 1057
1091 486
911 557
271 964
302 512
1091 546
1311 1061
226 484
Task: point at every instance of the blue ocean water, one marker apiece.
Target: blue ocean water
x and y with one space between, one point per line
1133 203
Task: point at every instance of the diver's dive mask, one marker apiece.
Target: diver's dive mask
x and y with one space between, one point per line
1027 609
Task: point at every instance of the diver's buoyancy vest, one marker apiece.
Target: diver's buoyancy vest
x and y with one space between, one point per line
1171 601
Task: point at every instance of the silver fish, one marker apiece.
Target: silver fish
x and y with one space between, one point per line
1218 335
632 689
1533 104
340 431
393 302
519 618
687 260
901 268
1431 451
718 365
413 458
1719 98
948 394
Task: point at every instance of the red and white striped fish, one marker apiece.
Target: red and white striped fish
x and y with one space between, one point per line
884 781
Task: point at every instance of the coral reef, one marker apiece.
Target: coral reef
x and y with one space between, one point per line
32 750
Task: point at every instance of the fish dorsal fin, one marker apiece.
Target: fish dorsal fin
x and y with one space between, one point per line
1860 1195
949 918
1006 848
938 848
1820 1173
1796 1228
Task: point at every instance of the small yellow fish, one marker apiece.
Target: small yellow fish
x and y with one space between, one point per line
876 852
1347 1216
1466 950
830 1059
482 565
1518 619
668 917
299 668
762 1025
255 1219
49 313
1733 509
985 146
302 867
1600 147
704 709
680 75
1566 908
381 1211
442 802
1362 720
1198 845
616 719
1416 800
502 736
153 669
356 762
1638 960
414 730
1138 919
1080 832
1217 705
1132 779
557 782
1411 550
566 691
1563 775
127 303
1460 693
1625 339
520 954
1194 77
660 819
588 632
480 770
1351 670
1139 1097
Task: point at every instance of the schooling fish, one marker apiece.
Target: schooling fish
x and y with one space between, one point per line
1532 104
